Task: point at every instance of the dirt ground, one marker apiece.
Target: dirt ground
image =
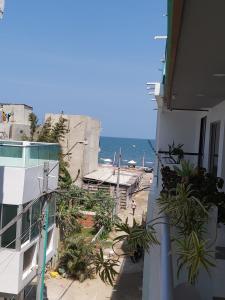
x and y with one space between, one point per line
128 285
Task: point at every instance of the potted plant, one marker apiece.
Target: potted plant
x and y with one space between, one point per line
176 153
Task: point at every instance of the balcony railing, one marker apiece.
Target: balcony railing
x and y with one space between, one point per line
27 154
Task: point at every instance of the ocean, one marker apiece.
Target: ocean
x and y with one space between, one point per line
132 149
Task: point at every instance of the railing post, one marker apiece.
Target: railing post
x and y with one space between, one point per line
166 262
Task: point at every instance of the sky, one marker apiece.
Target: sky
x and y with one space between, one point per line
84 57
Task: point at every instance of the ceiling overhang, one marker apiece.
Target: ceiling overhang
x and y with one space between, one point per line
195 67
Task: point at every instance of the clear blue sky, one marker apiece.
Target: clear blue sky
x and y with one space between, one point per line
84 57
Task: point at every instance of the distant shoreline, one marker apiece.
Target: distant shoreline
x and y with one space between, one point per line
129 138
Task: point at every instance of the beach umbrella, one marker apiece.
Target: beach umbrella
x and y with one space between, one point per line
107 160
132 162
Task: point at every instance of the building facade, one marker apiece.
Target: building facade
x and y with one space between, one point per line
190 111
14 120
21 186
82 143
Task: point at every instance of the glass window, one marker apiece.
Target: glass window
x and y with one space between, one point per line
9 151
35 217
8 238
54 152
214 147
202 141
25 226
51 212
43 153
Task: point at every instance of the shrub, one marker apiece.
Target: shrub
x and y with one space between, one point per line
77 259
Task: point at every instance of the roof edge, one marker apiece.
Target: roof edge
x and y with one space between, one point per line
175 9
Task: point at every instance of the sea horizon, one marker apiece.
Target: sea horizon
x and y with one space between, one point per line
137 149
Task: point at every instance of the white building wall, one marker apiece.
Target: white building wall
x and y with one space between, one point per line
215 114
182 127
21 185
13 277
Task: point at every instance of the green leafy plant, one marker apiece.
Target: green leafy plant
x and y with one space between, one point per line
81 260
185 210
67 218
186 198
176 150
186 169
193 255
104 211
106 268
44 135
33 125
135 236
77 259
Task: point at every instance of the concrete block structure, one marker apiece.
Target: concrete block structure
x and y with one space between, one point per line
14 120
82 142
21 181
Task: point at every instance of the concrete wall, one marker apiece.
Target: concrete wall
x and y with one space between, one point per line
21 185
182 127
83 158
13 277
91 150
18 124
20 113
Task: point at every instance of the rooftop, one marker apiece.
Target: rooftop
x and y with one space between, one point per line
109 175
15 104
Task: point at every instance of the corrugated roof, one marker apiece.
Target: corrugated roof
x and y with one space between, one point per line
109 175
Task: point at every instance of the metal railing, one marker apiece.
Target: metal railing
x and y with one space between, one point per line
166 262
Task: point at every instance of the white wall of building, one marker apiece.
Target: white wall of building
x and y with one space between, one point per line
182 127
215 114
21 185
13 276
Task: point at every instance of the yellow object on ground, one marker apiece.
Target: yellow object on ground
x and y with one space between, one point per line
54 274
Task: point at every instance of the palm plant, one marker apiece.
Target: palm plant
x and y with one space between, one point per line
186 169
135 236
33 125
77 259
105 267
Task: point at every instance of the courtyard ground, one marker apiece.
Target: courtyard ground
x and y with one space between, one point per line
128 284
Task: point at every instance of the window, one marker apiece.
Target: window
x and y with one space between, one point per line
202 141
214 147
25 225
9 236
28 258
35 217
51 212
